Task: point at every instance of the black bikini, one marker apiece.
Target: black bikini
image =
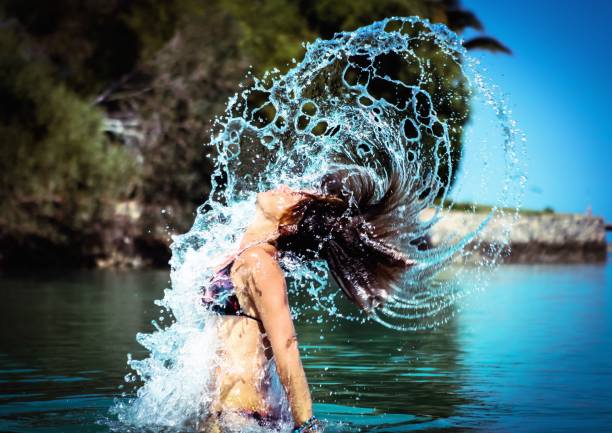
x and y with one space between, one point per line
220 295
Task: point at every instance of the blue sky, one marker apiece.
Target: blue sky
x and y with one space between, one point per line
558 85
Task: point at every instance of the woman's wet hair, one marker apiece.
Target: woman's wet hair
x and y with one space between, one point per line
352 226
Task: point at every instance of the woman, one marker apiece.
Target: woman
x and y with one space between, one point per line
345 224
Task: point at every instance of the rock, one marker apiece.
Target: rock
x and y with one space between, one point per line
543 238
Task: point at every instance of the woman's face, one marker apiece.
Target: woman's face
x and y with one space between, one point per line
275 202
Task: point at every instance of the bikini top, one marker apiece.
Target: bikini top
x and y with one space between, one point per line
220 294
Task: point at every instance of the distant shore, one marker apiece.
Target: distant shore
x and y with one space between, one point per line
537 237
534 238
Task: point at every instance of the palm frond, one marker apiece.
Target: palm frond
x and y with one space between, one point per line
486 43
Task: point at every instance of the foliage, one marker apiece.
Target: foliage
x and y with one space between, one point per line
58 171
90 44
169 105
481 208
102 99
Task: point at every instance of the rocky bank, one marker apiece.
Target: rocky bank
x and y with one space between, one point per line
537 238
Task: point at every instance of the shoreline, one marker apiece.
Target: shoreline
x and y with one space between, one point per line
544 238
536 238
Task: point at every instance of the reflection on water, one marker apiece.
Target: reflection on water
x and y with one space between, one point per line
530 354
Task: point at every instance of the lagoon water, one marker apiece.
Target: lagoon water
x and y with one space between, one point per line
529 354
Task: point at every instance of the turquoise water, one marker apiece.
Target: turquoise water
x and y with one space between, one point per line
530 354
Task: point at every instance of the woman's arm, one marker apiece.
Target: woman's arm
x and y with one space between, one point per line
266 283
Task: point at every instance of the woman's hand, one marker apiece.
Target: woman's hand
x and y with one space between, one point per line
310 426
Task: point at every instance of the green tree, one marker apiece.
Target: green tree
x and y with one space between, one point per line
58 170
103 99
164 112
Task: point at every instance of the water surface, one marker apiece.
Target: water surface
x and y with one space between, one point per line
530 354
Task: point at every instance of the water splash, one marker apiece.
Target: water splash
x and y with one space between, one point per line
339 107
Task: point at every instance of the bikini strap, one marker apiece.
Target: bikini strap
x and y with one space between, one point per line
241 313
251 245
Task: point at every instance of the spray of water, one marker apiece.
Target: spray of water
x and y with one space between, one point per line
337 109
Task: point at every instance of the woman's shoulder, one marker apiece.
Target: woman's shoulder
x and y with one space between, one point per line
257 255
259 265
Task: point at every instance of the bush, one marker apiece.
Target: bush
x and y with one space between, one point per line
58 169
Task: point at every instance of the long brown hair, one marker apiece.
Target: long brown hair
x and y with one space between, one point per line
351 225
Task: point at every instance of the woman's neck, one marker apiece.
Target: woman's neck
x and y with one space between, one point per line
261 229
